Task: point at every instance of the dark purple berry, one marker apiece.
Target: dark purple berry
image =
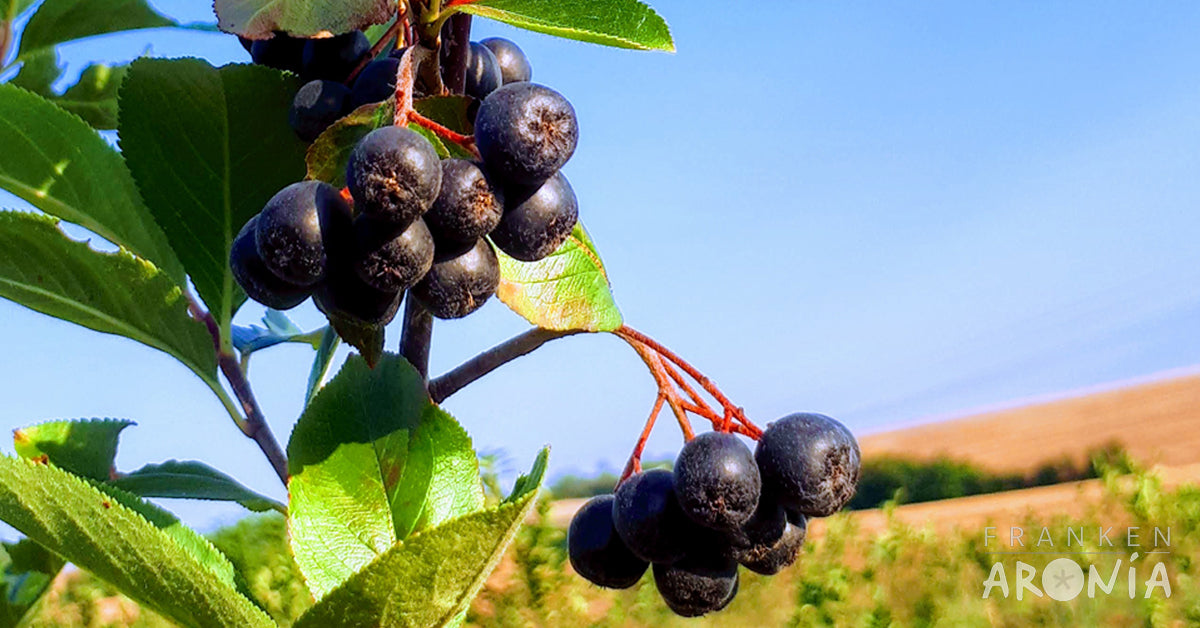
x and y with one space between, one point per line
346 296
468 206
810 463
701 583
333 58
317 105
525 132
483 72
256 281
282 52
393 263
376 83
648 518
394 175
460 285
770 559
514 65
246 42
290 230
536 223
716 481
597 552
764 527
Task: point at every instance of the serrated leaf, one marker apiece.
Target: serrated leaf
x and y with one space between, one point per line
114 293
619 23
567 290
431 578
58 21
86 448
175 479
258 19
26 569
97 532
60 165
208 147
372 460
328 155
321 363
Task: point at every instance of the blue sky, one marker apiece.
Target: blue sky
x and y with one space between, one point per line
881 212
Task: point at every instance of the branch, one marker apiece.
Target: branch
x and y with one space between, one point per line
255 424
416 335
490 360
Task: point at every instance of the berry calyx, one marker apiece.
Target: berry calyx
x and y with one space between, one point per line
395 263
647 515
810 463
717 481
514 65
596 550
252 275
469 204
394 175
460 285
289 232
317 105
701 583
526 132
536 223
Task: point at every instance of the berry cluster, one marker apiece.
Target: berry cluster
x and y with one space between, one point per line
416 222
721 506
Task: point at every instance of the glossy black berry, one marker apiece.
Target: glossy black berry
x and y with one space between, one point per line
256 281
316 106
246 42
469 204
771 559
458 286
281 52
646 514
525 132
810 462
346 296
394 175
333 58
483 72
716 481
392 263
537 222
701 583
376 83
289 233
597 552
514 65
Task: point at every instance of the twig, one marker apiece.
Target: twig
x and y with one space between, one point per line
467 372
416 335
459 41
254 425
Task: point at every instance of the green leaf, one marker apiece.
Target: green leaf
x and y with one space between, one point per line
26 569
38 73
208 148
86 448
258 19
176 479
276 329
94 96
328 155
114 293
60 165
619 23
58 21
431 578
567 290
10 9
97 532
372 460
321 364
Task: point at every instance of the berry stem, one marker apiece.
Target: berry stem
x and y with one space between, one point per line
391 33
254 425
416 336
458 42
466 141
405 75
490 360
635 459
654 363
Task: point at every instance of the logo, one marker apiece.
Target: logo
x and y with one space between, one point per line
1074 571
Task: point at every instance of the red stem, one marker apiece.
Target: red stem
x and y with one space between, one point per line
635 459
466 141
